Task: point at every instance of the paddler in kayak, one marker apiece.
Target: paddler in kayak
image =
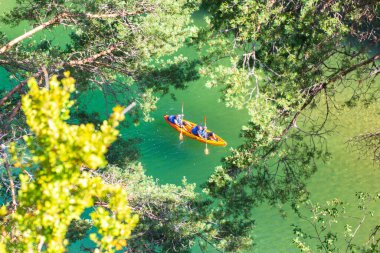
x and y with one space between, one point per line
176 119
201 131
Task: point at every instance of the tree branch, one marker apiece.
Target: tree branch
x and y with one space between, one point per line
346 71
94 57
353 235
16 88
314 90
11 183
31 32
61 16
14 111
70 63
129 107
114 15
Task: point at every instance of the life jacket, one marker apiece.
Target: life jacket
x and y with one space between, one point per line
203 133
178 121
171 118
195 130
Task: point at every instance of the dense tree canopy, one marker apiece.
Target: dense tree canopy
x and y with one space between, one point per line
286 58
107 39
285 54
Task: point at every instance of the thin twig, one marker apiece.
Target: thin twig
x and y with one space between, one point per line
11 183
46 75
353 235
17 88
129 107
14 111
313 91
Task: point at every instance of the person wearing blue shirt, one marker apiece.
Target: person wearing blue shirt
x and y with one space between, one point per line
176 119
196 129
199 131
202 132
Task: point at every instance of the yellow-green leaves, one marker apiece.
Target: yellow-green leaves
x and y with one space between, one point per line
46 110
60 190
113 232
3 211
148 104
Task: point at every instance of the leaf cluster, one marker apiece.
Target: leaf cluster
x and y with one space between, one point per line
59 189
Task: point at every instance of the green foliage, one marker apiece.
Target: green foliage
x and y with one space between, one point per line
108 42
148 104
123 152
78 229
325 218
161 74
321 219
278 50
254 173
61 187
275 59
173 218
168 213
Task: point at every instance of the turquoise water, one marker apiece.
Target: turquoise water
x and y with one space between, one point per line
346 173
169 160
162 153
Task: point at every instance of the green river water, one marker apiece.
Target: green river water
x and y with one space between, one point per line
169 160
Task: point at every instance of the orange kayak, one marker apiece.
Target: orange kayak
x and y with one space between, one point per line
186 130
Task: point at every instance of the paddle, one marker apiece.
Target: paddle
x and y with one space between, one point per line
206 149
181 135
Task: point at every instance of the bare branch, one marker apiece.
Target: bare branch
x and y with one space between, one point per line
113 15
17 88
94 57
314 90
11 183
46 75
14 111
31 32
367 143
62 16
334 77
129 107
353 235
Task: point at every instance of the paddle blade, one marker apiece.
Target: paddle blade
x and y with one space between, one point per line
180 136
206 149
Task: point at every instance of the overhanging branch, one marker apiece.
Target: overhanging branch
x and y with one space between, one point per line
316 89
94 57
11 183
31 32
17 88
65 15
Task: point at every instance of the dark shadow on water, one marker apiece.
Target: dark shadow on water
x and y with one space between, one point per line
123 151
